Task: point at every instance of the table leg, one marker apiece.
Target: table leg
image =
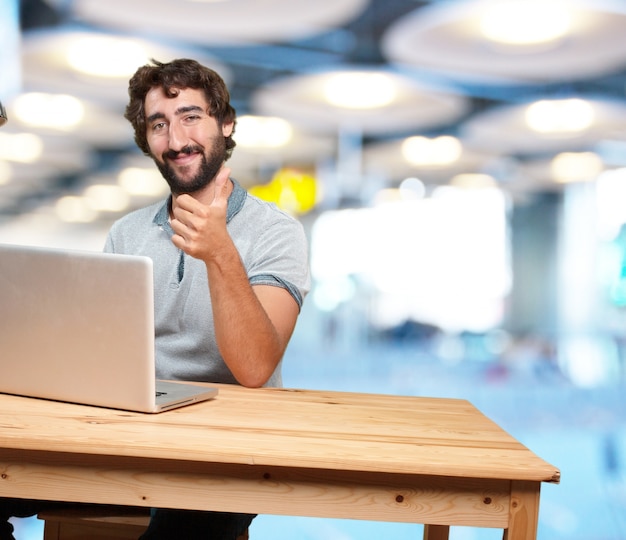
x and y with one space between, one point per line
436 532
523 511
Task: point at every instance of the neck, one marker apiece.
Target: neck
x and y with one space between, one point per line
204 195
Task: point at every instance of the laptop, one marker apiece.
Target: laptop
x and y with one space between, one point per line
78 326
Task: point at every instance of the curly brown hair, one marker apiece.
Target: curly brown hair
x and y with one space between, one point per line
178 74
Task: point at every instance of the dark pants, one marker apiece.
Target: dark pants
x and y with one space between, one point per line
194 525
164 524
21 508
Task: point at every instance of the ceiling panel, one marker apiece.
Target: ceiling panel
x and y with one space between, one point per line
275 56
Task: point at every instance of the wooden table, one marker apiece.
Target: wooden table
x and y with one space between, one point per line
434 461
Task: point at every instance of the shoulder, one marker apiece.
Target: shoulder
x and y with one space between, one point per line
133 227
142 216
268 212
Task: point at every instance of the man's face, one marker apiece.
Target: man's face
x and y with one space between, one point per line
186 143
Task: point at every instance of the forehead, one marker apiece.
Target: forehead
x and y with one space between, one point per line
157 101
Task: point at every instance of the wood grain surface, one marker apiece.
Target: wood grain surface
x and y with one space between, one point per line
435 461
312 429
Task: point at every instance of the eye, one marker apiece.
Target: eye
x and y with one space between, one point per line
158 126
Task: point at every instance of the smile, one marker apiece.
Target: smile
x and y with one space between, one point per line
183 158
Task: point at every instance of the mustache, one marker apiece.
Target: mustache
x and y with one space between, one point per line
189 149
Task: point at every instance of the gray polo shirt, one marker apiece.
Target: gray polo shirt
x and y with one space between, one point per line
274 251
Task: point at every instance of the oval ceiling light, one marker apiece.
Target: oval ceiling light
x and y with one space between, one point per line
514 129
106 56
107 198
559 116
262 132
96 65
142 182
473 181
359 90
5 173
440 151
376 101
525 22
20 147
57 111
570 167
72 209
221 23
446 38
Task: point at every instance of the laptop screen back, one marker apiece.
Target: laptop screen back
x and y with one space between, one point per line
77 326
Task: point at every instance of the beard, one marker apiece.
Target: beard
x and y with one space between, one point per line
209 167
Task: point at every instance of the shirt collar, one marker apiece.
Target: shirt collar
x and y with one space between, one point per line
236 200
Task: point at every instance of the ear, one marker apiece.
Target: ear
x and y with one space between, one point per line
227 129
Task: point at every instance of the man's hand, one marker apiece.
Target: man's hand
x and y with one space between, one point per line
252 324
200 228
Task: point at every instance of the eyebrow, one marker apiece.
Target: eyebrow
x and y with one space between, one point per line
178 112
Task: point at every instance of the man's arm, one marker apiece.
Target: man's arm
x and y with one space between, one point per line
253 325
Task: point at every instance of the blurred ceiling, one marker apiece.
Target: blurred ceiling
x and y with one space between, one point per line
445 79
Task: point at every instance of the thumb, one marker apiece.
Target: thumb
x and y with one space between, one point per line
221 183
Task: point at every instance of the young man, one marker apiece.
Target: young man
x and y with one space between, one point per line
230 271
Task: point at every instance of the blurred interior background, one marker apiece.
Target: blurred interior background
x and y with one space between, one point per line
459 166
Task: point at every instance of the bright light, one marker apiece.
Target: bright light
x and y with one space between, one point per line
525 22
610 195
329 294
560 116
20 147
359 90
142 182
588 361
576 167
75 210
105 56
58 111
262 132
386 196
473 181
412 188
420 257
5 173
107 198
440 151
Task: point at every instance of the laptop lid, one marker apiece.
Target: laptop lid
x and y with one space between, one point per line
78 326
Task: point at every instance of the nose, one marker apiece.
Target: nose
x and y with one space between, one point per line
177 137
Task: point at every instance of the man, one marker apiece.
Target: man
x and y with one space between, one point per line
230 271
